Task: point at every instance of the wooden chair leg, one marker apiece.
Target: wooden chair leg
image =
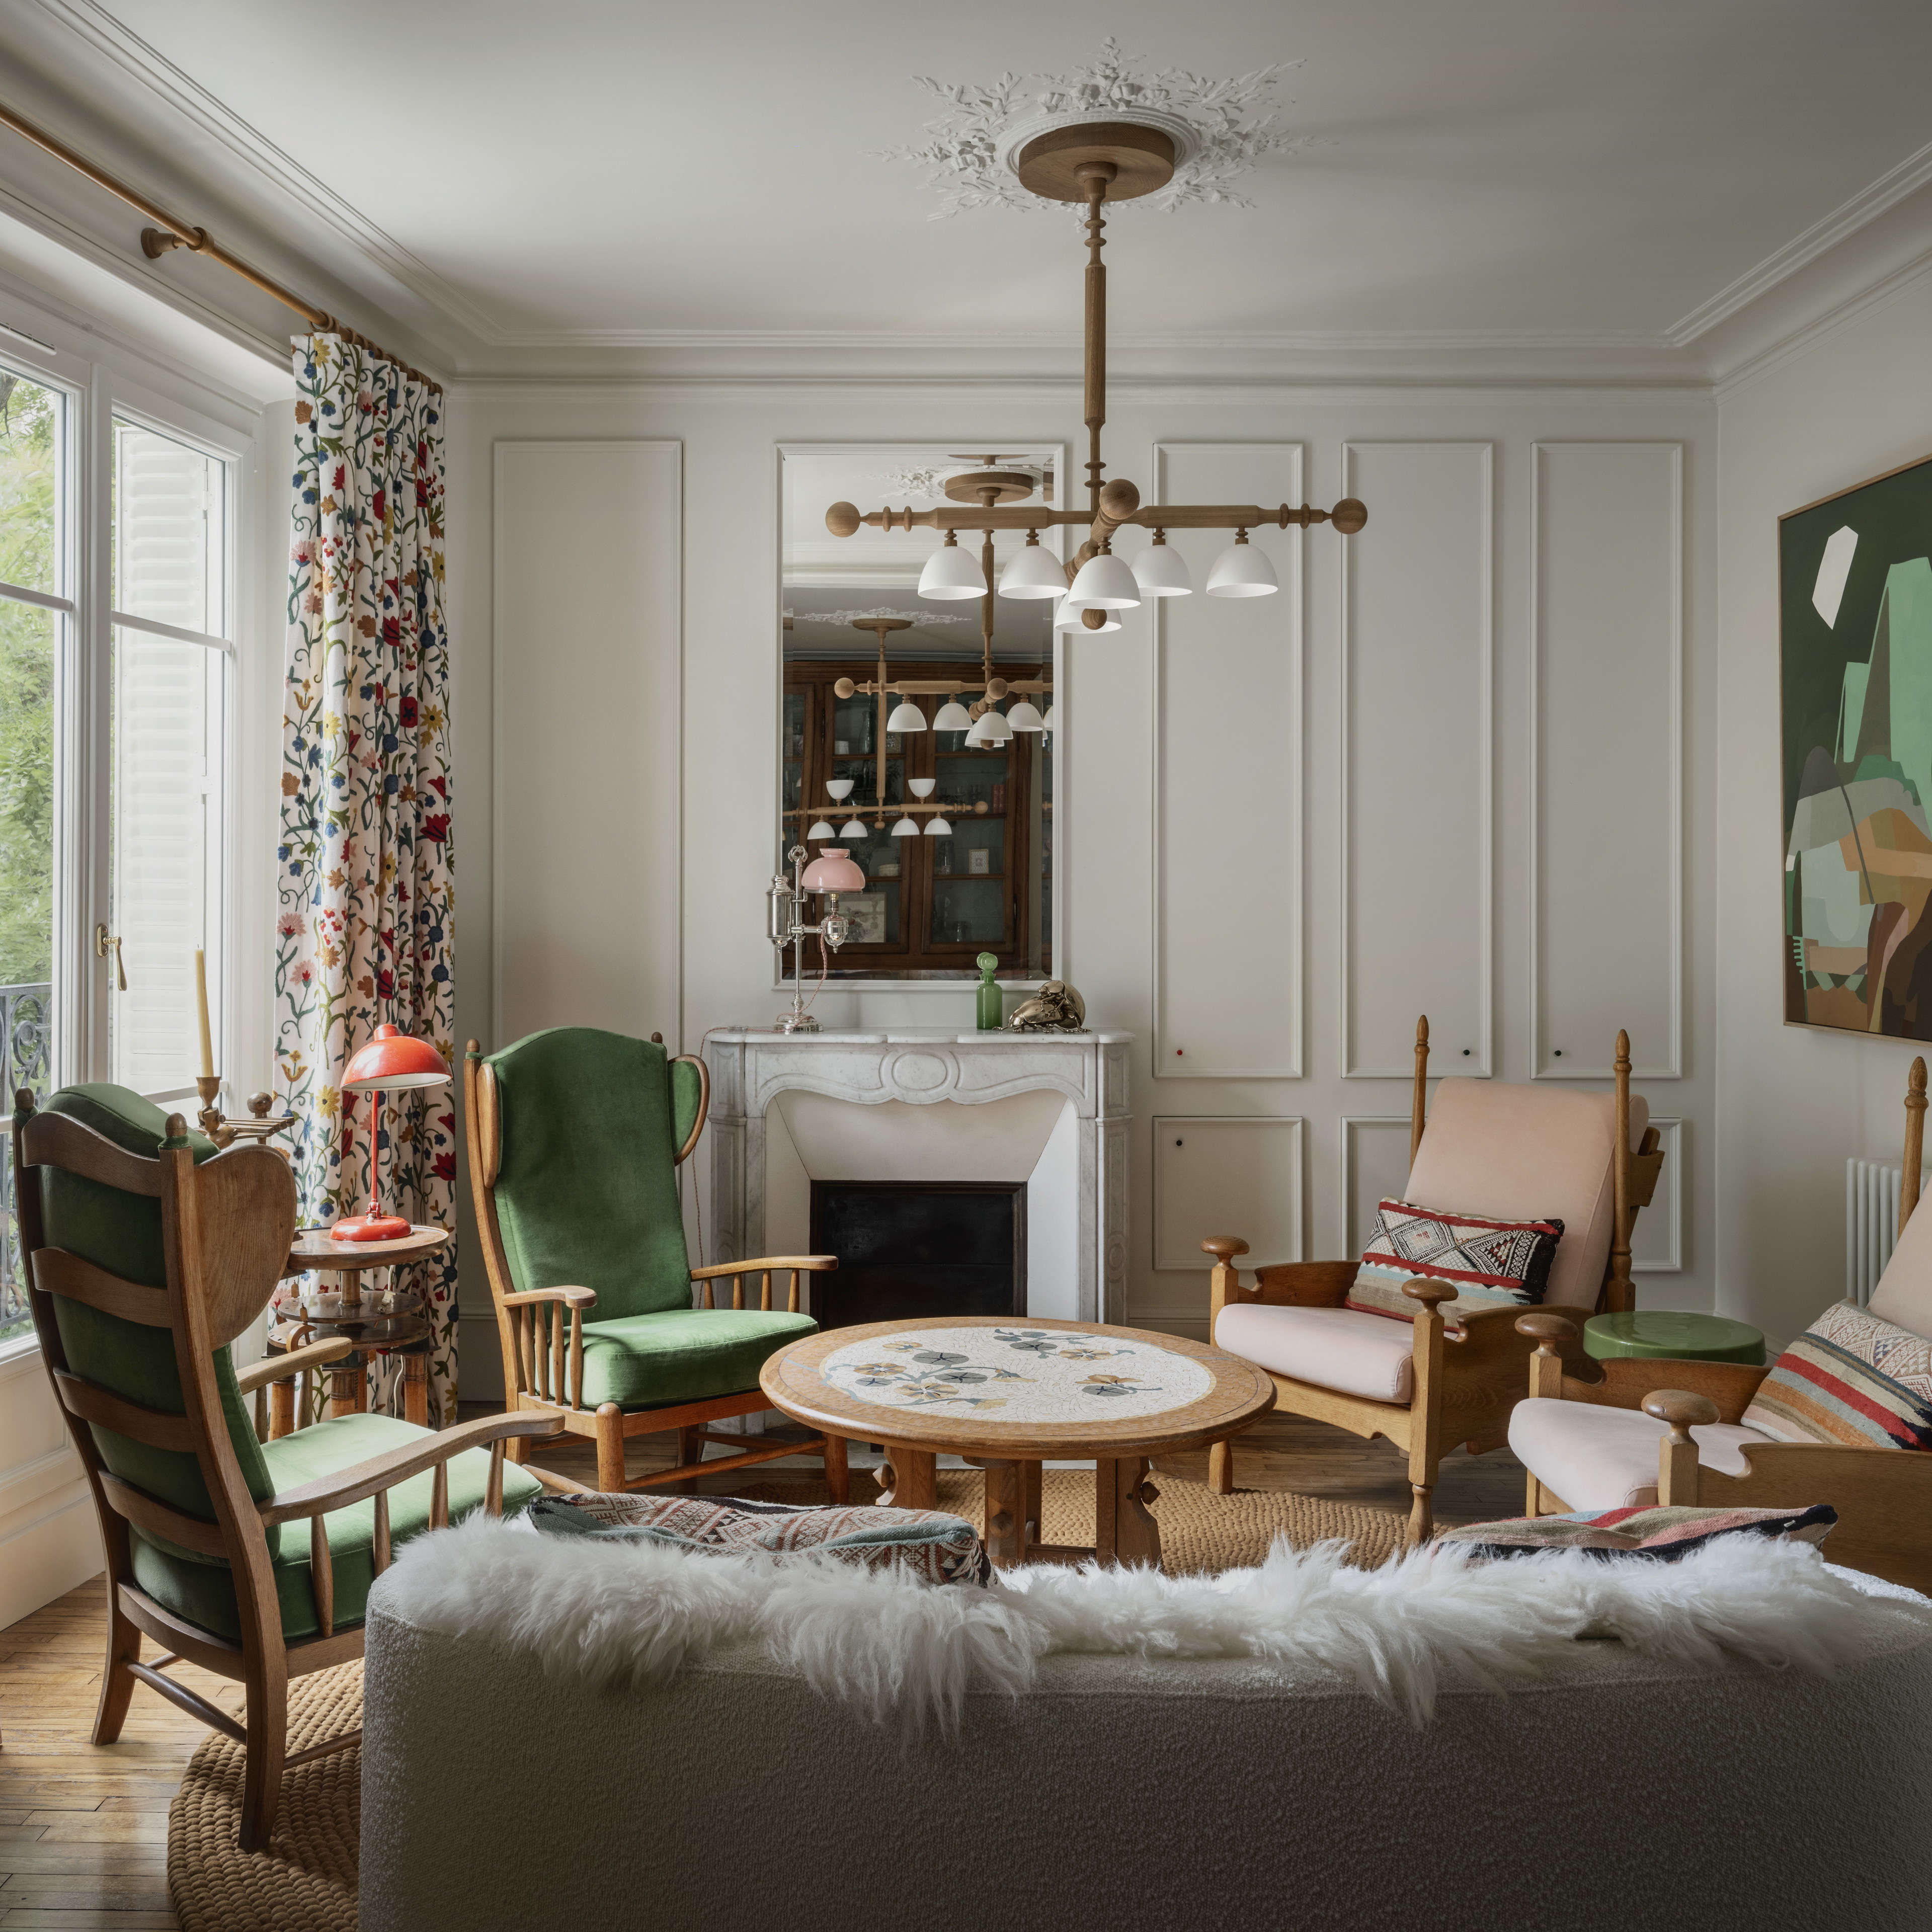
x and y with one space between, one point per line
690 1449
1034 1514
268 1726
609 1448
838 1475
117 1681
1423 1466
1221 1469
415 1388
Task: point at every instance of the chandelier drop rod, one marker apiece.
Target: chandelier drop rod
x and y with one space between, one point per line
1094 177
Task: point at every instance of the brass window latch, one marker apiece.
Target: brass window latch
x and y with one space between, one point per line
103 940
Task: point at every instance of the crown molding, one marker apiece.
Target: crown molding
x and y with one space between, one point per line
1866 206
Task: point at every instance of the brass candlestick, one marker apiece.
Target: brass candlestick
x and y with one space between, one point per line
223 1132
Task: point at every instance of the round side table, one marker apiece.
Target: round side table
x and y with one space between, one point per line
379 1322
1664 1334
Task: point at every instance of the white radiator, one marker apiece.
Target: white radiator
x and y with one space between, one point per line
1871 1222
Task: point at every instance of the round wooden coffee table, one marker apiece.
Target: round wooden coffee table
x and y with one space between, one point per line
1009 1395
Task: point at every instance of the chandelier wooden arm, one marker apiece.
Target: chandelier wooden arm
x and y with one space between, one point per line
1349 515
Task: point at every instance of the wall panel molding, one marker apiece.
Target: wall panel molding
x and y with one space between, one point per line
1229 766
1228 1174
1606 676
1392 1129
1421 636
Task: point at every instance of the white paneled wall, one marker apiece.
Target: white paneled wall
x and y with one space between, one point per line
1227 729
1416 758
1442 771
1607 815
587 811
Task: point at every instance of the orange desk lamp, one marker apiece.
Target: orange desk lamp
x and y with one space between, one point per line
392 1059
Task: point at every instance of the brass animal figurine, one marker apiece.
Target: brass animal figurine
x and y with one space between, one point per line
1056 1008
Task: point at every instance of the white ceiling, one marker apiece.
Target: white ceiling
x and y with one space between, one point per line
506 180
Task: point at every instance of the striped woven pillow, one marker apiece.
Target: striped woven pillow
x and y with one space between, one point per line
1490 1263
1849 1379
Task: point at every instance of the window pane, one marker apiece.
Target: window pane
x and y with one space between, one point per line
30 641
31 489
169 527
169 701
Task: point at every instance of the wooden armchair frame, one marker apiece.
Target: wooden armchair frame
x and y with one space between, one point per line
541 1330
225 1226
1465 1380
1883 1496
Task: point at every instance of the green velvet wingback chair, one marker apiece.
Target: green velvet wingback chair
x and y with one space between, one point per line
147 1252
575 1138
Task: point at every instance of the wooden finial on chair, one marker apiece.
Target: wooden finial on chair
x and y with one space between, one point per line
1420 1102
1680 1411
1915 1142
1618 1294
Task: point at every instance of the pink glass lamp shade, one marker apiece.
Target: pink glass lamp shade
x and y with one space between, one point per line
833 871
393 1058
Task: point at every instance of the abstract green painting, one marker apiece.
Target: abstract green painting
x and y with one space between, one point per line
1855 584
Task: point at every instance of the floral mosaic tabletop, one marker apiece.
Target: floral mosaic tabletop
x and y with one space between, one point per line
976 1380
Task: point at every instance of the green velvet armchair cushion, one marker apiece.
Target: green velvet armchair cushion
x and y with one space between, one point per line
682 1354
586 1176
122 1233
202 1588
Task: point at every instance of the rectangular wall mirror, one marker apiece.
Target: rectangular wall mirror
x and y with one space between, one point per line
956 837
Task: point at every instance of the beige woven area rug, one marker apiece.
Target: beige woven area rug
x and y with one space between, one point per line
305 1882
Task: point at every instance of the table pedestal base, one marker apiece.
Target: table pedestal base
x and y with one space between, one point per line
1124 1530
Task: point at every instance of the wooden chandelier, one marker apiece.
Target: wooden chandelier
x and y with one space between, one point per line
1092 162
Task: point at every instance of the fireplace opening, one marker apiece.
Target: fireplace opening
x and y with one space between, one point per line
915 1250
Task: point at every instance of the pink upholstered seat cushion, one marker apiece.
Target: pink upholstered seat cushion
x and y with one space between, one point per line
1904 1295
1599 1458
1522 1153
1335 1348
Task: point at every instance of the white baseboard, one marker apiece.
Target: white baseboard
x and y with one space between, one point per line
43 1559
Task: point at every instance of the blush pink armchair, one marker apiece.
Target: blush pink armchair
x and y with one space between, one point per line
1512 1152
1642 1432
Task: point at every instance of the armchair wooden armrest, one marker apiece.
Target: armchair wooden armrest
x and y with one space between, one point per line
1624 1382
279 1368
571 1297
1280 1285
765 1266
378 1476
540 1339
1680 1411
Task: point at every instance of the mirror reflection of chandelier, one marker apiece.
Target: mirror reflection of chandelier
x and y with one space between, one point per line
1093 161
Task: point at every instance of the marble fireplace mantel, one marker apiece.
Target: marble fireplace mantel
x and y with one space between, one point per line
930 1066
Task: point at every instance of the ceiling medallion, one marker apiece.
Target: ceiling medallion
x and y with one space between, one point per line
1217 130
1094 162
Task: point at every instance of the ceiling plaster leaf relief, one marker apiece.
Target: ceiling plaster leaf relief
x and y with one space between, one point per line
930 481
1231 124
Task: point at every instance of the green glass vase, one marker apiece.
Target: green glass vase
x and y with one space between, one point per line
992 1002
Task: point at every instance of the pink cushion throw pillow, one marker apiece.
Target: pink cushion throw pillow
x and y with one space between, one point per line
1490 1263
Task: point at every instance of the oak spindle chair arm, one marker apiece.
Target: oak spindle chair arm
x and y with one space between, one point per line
279 1368
766 1266
541 1343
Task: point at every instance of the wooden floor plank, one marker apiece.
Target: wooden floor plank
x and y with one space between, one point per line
34 1920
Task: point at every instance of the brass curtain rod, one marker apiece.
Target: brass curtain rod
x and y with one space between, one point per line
168 232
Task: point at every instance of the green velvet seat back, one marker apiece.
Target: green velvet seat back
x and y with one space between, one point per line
122 1233
586 1178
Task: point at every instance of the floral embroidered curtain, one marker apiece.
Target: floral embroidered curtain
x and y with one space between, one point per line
363 931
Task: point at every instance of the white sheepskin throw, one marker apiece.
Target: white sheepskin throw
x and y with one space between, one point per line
630 1614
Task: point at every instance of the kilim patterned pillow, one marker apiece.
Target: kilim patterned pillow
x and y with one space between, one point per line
1661 1535
1849 1379
1491 1264
925 1544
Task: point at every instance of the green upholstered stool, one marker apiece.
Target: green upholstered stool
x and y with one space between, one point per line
1664 1334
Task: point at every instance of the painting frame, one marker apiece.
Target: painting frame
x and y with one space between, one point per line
1854 688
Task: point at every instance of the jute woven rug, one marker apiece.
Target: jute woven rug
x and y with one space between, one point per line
305 1882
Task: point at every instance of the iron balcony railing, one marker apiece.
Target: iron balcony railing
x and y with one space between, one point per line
26 1036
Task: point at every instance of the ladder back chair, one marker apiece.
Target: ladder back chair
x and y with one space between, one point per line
147 1252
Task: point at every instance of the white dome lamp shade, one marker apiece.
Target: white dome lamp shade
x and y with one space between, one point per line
1035 572
855 829
936 827
1242 571
951 573
819 829
1050 722
953 716
1161 571
907 716
906 828
1024 715
921 788
990 728
838 790
1105 583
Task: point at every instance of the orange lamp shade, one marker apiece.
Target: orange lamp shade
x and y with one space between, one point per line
833 871
393 1058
